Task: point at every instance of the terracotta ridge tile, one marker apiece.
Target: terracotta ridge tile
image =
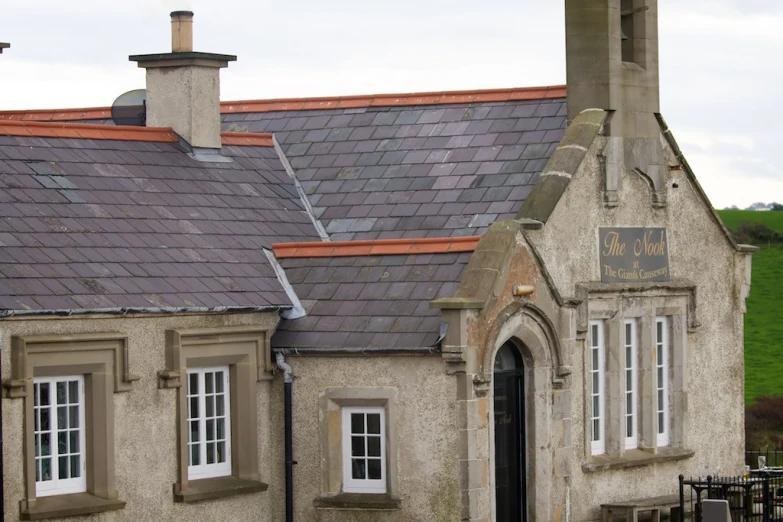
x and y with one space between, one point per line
87 131
405 99
319 102
255 139
376 247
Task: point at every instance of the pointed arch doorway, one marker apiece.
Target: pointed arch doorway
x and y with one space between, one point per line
509 427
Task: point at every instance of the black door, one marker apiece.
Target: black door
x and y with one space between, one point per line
510 466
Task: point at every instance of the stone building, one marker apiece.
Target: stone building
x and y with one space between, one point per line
499 305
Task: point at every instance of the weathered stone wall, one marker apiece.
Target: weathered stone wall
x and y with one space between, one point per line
426 423
145 423
700 252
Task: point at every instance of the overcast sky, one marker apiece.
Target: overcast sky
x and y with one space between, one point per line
720 72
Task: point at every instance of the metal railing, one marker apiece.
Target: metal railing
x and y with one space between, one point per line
774 458
754 498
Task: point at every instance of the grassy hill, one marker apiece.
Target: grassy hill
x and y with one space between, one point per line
764 319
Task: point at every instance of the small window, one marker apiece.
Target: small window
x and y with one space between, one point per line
597 376
631 386
209 425
364 450
662 379
58 412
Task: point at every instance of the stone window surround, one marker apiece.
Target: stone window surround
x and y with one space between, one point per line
330 404
103 360
243 349
644 307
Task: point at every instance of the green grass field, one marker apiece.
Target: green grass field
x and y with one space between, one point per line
764 319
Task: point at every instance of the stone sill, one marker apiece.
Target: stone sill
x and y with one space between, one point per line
363 501
217 487
58 506
634 458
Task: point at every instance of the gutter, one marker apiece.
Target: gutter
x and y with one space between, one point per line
141 310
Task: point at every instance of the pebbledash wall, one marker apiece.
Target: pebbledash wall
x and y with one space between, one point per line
702 257
145 421
540 285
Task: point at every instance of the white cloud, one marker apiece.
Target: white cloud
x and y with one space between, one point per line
707 141
735 180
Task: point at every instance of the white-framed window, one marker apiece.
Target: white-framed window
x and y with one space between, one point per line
364 450
209 423
58 411
631 424
597 378
662 379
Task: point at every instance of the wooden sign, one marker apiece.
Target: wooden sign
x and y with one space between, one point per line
633 255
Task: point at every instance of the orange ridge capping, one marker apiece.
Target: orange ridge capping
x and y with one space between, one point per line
87 131
255 139
326 102
386 100
376 247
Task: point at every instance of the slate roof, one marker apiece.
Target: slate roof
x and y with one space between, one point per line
414 171
96 224
369 302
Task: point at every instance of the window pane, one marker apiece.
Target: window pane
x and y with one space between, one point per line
659 331
73 392
374 469
38 471
195 456
629 426
357 446
373 423
596 430
596 408
62 464
358 470
221 432
44 394
660 399
220 402
75 467
193 405
660 422
595 360
46 469
208 382
210 430
595 383
62 397
595 334
74 442
219 382
192 384
374 446
628 336
194 434
62 442
629 403
357 422
221 451
44 412
210 452
210 406
62 417
74 416
45 444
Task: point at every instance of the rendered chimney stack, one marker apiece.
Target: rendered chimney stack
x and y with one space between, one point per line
182 32
183 87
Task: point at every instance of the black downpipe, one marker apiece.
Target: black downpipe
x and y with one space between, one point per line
289 454
289 438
